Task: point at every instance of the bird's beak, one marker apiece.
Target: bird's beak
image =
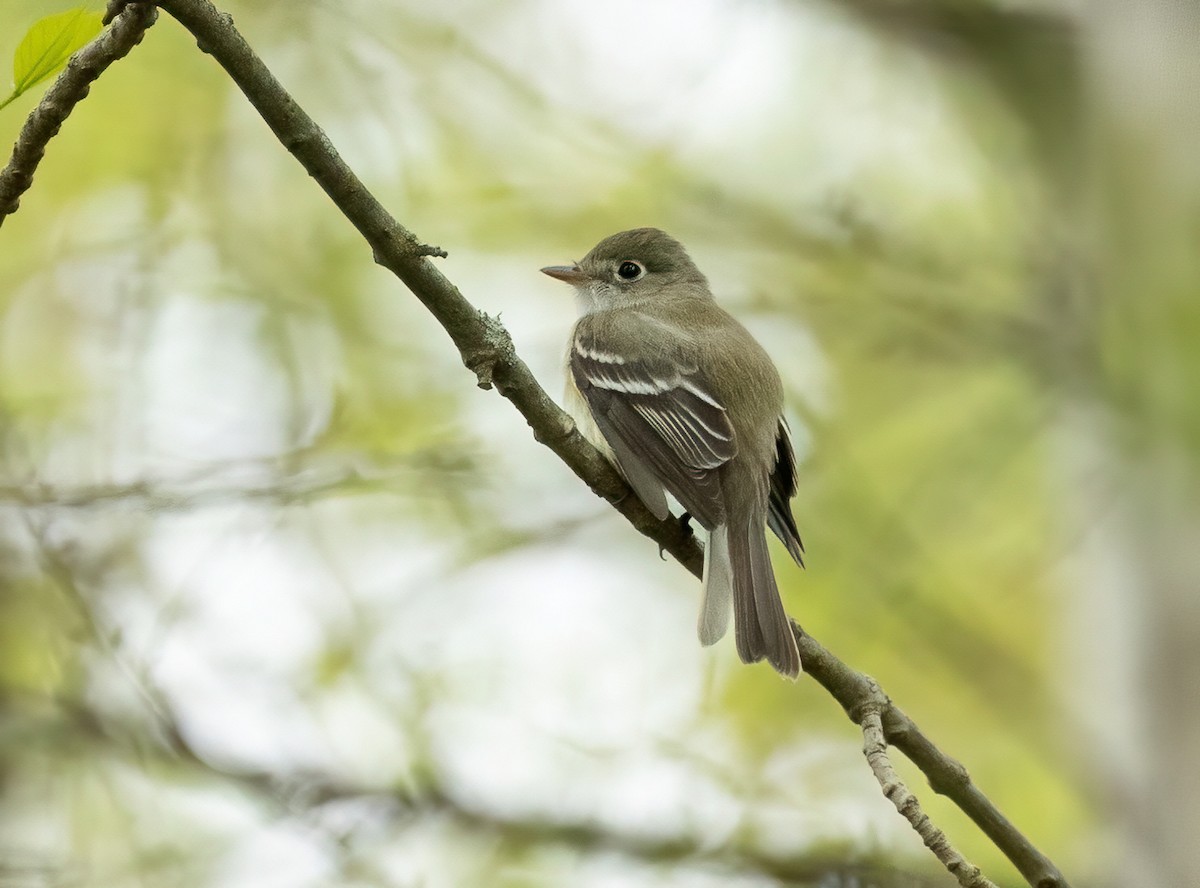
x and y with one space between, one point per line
572 274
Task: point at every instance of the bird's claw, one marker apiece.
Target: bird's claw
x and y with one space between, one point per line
685 525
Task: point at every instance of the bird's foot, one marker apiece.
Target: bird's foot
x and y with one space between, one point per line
685 525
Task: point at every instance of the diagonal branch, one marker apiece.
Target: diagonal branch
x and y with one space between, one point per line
68 90
482 341
860 695
875 748
487 350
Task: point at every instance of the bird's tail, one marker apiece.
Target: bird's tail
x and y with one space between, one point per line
760 623
717 594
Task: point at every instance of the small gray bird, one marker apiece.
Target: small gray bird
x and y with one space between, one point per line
683 399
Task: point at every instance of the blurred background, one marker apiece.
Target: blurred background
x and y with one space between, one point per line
286 601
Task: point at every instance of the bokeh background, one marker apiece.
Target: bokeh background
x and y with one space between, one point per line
286 601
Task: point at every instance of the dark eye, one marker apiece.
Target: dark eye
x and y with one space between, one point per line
630 271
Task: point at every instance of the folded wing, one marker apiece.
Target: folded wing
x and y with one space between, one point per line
663 423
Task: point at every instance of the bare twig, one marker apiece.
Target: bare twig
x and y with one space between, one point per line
859 694
487 350
152 495
70 88
875 748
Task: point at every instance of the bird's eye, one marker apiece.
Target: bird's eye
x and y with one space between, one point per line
630 271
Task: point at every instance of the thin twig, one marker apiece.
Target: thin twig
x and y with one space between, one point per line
859 694
875 748
151 495
68 90
487 350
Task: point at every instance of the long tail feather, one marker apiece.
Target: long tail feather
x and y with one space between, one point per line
750 645
762 626
718 587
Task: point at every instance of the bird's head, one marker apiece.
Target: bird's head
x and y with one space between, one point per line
631 268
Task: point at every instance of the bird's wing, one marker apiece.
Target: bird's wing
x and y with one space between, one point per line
657 413
783 488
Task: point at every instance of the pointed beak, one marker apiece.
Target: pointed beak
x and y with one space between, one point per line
572 274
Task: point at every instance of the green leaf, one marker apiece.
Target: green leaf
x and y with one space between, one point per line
48 45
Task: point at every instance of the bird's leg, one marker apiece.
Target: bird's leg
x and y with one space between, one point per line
685 525
618 498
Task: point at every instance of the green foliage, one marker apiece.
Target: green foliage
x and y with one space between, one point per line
47 45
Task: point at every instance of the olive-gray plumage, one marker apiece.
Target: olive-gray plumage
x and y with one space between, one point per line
683 399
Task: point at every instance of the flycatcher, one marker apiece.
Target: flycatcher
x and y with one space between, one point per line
683 399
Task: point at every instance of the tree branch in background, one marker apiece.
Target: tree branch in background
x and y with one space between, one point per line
487 350
69 88
1030 53
308 792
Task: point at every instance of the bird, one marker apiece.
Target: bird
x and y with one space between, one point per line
682 399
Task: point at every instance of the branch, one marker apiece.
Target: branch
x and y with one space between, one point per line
482 341
487 350
153 495
898 793
68 90
860 695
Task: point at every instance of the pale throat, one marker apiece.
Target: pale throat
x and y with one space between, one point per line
597 296
587 298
